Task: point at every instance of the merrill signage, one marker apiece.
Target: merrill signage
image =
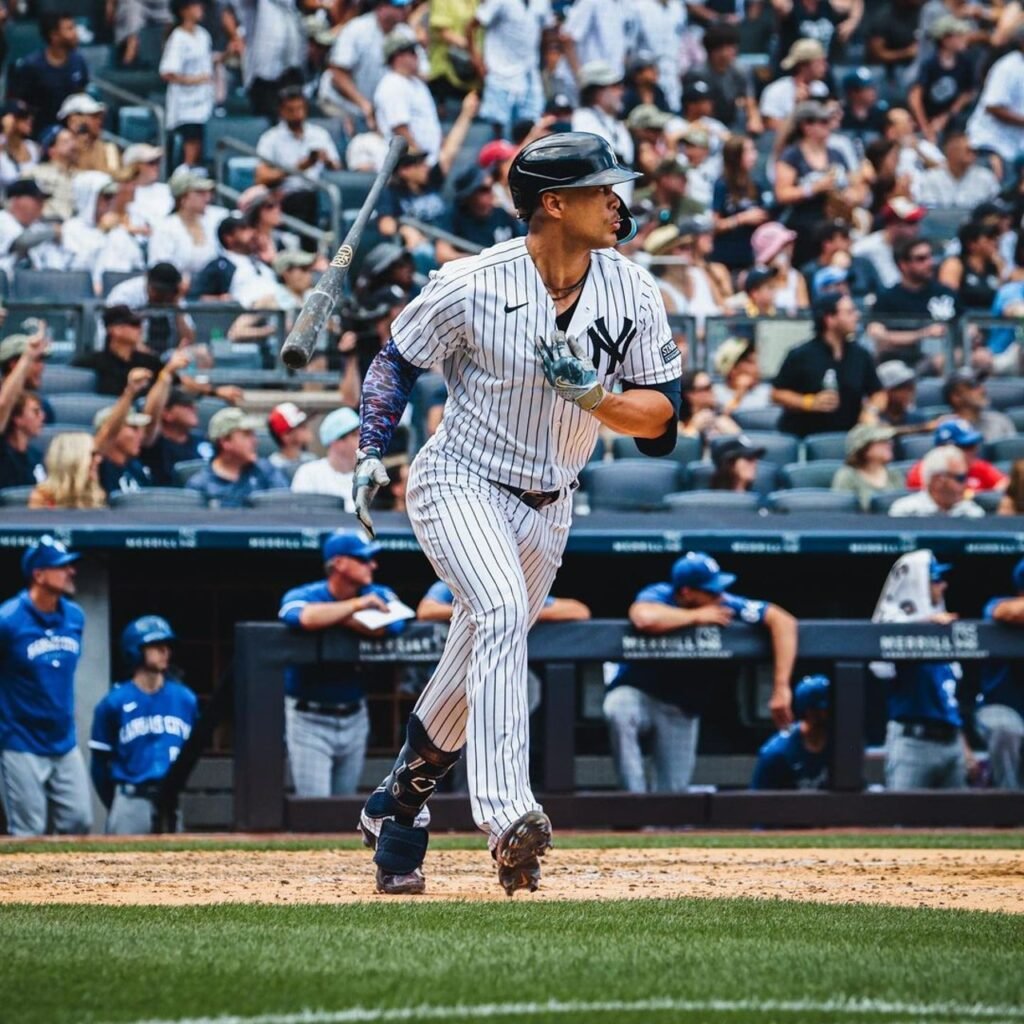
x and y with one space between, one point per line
702 643
959 644
423 649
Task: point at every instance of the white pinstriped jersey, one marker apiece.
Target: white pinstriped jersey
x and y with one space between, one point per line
477 322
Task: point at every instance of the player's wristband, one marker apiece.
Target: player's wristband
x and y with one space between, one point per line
592 399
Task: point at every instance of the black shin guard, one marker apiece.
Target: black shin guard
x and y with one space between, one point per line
418 769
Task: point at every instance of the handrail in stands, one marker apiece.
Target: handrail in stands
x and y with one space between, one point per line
140 101
440 235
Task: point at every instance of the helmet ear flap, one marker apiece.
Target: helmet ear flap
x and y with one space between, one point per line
627 224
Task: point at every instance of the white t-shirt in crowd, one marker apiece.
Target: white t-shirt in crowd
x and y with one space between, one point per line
320 477
403 100
877 249
251 280
188 53
152 204
779 98
11 171
281 145
512 30
660 29
938 188
1004 87
45 256
172 243
602 30
359 50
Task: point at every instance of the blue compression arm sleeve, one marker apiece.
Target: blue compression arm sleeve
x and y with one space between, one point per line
386 390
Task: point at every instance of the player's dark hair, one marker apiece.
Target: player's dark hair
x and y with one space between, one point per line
49 22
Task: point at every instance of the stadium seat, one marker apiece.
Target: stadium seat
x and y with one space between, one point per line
137 124
687 449
812 499
825 446
1017 415
630 485
914 446
1008 449
929 392
285 499
989 501
51 430
904 466
205 408
942 224
70 408
1005 392
246 130
59 379
881 503
809 474
14 496
265 444
112 278
22 39
158 497
779 448
713 501
355 186
55 285
240 172
698 476
184 471
759 419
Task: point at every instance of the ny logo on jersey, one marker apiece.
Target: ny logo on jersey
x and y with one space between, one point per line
601 341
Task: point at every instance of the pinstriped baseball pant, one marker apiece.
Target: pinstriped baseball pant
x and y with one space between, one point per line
499 557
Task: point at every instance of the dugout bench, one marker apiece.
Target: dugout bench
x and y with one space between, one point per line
262 650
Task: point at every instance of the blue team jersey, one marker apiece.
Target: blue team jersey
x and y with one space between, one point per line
143 733
783 762
689 685
442 593
925 692
39 653
1002 682
326 684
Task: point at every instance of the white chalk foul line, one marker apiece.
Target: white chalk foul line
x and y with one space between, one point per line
851 1007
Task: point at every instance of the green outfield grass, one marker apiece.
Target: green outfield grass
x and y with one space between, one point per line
700 961
942 840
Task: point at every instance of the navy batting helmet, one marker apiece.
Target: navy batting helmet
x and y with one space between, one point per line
567 160
811 694
150 629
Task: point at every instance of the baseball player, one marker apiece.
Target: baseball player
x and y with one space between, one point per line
42 774
531 337
667 699
138 730
1000 715
798 757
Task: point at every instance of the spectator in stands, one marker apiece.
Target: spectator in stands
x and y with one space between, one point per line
757 298
917 298
130 17
453 71
20 355
829 382
974 274
326 722
642 88
184 239
402 102
289 427
774 246
961 181
925 747
686 286
657 698
45 78
945 84
275 51
72 474
236 274
597 30
732 92
900 384
55 175
665 201
736 463
261 207
25 235
997 124
900 220
981 475
83 116
356 62
703 167
120 433
798 757
186 65
646 123
157 296
831 23
1012 502
19 153
806 63
21 420
122 353
172 437
600 111
152 202
868 470
236 471
944 472
832 238
496 158
863 112
966 395
1000 713
916 155
813 181
663 34
699 414
892 34
45 786
306 150
741 388
477 218
736 205
339 435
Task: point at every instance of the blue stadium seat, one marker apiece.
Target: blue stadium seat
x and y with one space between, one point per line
914 446
56 285
112 278
929 392
22 39
940 225
289 500
59 379
630 484
137 124
354 185
206 407
713 501
687 449
78 409
1017 415
13 496
1009 449
265 444
699 475
881 503
240 172
184 471
988 500
759 419
51 430
779 448
242 129
813 499
1005 392
830 445
809 474
158 497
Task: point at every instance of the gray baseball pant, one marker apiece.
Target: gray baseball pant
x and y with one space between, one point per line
912 763
40 791
1002 729
326 754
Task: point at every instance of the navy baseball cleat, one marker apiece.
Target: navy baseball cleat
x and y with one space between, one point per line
519 850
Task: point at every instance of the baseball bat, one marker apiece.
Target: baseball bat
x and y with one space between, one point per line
301 340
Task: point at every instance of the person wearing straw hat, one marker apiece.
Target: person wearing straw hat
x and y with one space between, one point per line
806 63
741 388
868 469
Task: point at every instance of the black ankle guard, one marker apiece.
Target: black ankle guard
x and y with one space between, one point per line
418 769
400 848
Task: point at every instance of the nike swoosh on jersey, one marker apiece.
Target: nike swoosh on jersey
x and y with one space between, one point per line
512 309
131 705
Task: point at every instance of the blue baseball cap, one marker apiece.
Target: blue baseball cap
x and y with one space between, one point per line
937 569
958 432
46 553
829 277
349 543
811 694
859 78
337 425
1018 575
702 572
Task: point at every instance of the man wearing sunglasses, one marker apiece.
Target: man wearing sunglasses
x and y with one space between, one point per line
944 472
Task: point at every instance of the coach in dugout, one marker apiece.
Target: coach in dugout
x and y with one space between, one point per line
42 774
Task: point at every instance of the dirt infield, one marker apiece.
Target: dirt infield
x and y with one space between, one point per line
949 879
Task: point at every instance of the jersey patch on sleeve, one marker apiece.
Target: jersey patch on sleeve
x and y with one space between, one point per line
669 351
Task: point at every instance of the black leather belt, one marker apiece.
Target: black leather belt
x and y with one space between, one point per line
331 710
149 790
535 499
929 729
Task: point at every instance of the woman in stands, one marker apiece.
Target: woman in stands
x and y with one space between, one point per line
261 208
736 206
187 67
72 475
184 239
736 462
868 471
699 415
1012 502
773 245
975 273
18 151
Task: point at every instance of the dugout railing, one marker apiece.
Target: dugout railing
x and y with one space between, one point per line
557 650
